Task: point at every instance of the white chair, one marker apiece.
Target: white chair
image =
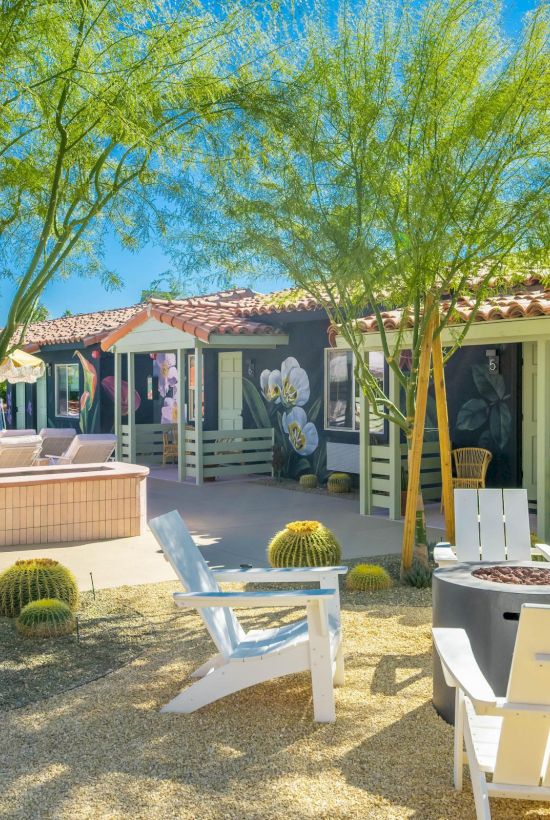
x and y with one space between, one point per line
246 659
490 525
87 448
507 738
56 440
19 451
12 433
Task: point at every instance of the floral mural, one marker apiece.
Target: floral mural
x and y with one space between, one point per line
88 410
283 402
164 367
108 387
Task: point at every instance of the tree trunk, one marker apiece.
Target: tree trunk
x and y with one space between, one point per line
444 437
412 514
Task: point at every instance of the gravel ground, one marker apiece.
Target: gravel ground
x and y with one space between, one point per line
103 750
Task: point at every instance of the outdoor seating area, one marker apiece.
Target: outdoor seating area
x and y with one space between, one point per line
275 410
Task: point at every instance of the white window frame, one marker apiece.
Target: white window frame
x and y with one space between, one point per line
354 428
57 369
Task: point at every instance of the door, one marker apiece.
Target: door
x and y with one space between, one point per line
529 424
20 406
230 391
41 403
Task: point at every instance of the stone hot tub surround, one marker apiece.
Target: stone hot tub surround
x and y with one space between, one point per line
86 502
489 612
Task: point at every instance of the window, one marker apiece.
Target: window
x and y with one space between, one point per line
191 388
343 392
67 390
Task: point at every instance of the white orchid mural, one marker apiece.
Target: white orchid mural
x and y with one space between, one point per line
288 386
302 433
286 392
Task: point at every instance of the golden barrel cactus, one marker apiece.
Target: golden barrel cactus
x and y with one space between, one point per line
304 544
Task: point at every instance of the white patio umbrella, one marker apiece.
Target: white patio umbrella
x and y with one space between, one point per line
19 366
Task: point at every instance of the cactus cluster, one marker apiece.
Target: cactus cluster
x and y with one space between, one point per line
339 483
304 544
419 575
46 618
35 579
368 578
309 481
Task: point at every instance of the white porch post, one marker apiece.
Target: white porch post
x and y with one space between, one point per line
543 440
395 452
118 403
365 471
132 408
198 412
182 466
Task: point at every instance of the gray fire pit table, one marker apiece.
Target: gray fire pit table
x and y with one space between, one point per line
489 612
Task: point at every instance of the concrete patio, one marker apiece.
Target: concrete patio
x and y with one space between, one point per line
232 521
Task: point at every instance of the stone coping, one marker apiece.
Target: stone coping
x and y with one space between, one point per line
462 575
19 476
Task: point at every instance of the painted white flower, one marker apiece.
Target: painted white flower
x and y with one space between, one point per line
302 433
271 384
169 411
295 383
167 372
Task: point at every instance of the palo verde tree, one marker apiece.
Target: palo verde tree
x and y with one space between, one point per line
405 160
101 102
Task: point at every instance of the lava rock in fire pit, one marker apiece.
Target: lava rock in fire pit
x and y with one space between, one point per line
525 576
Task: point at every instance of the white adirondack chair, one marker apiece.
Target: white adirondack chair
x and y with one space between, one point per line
507 738
246 659
490 525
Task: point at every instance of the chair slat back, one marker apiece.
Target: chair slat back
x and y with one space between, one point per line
467 525
19 451
89 448
522 755
518 531
195 576
491 525
55 440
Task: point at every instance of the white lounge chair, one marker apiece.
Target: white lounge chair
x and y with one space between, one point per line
246 659
19 451
507 738
490 525
12 433
56 440
87 448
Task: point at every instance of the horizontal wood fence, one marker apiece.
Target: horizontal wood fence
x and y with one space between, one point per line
223 452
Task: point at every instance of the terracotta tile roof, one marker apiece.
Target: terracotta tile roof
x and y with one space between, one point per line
201 316
526 301
88 328
282 301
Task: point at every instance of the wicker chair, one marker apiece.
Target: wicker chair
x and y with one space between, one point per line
170 445
471 465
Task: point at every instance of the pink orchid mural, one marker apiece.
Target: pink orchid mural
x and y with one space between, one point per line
108 386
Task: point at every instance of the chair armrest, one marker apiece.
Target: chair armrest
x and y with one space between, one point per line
444 555
543 549
276 575
461 668
295 597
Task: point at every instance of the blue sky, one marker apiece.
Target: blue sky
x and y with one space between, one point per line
137 270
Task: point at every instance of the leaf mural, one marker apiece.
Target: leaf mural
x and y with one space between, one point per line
500 424
490 386
256 405
491 409
108 386
472 415
88 394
